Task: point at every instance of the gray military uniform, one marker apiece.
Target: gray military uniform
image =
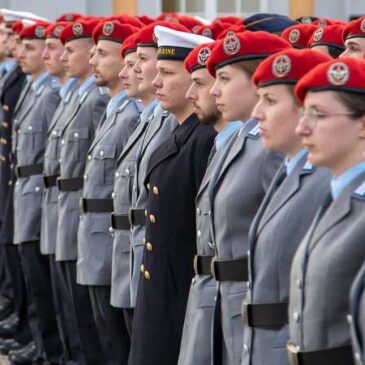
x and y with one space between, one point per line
94 240
196 343
31 127
275 234
52 170
323 269
77 135
235 196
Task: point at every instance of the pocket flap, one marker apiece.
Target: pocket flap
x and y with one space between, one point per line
104 151
80 133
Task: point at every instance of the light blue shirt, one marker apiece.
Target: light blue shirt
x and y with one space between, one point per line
157 109
115 102
9 65
86 84
291 163
338 184
147 109
226 132
39 81
65 88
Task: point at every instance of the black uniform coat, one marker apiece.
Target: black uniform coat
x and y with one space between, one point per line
173 177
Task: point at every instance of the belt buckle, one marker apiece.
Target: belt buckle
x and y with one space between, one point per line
293 354
245 313
112 219
81 205
130 217
195 264
17 169
213 267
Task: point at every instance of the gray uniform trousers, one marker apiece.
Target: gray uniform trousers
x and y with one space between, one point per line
196 343
324 266
76 137
235 196
30 128
95 242
278 228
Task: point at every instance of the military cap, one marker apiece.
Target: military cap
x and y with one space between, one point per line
233 28
35 31
125 19
328 36
113 31
354 29
176 45
77 30
146 36
213 30
287 67
228 19
145 19
129 45
55 30
13 15
298 35
169 16
346 74
68 17
323 22
190 22
198 57
244 46
17 27
274 23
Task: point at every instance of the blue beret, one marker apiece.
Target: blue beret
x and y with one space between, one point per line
268 22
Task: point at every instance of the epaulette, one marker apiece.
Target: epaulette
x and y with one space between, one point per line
360 192
83 97
67 97
254 133
40 90
308 167
165 113
103 90
125 103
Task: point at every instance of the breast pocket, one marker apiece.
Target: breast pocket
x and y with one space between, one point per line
78 143
31 138
125 174
104 157
54 142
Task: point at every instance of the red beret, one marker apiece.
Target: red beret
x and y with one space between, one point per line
298 35
213 30
323 22
77 30
354 29
145 37
344 74
244 46
112 31
198 57
328 36
168 16
129 45
68 17
233 28
145 19
190 22
17 27
35 31
125 19
55 30
229 19
287 67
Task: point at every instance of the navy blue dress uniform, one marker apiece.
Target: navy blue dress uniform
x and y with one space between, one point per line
356 317
95 244
332 251
31 126
282 220
235 198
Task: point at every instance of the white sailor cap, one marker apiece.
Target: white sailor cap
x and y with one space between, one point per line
176 45
27 22
13 15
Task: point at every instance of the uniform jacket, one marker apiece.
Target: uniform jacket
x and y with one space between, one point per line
275 234
76 137
196 343
95 244
11 86
235 195
174 173
51 168
32 124
323 269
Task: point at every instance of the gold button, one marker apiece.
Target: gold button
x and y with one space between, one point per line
147 275
149 246
152 218
145 212
142 268
155 190
148 186
6 107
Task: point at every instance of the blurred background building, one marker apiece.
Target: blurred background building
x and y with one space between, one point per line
338 9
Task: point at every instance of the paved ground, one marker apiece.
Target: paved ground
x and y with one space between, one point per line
4 360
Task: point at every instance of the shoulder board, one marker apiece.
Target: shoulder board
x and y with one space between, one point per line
360 192
83 97
54 84
139 106
103 90
254 133
125 103
165 113
67 97
308 167
40 90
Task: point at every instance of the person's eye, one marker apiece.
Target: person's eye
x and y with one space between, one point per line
270 101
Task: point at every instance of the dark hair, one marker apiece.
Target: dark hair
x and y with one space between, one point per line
248 66
354 102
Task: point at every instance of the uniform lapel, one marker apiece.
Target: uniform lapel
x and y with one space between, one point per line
22 97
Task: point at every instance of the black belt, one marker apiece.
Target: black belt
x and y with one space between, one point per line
120 221
29 170
230 270
96 205
71 184
137 217
265 315
332 356
202 265
50 180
